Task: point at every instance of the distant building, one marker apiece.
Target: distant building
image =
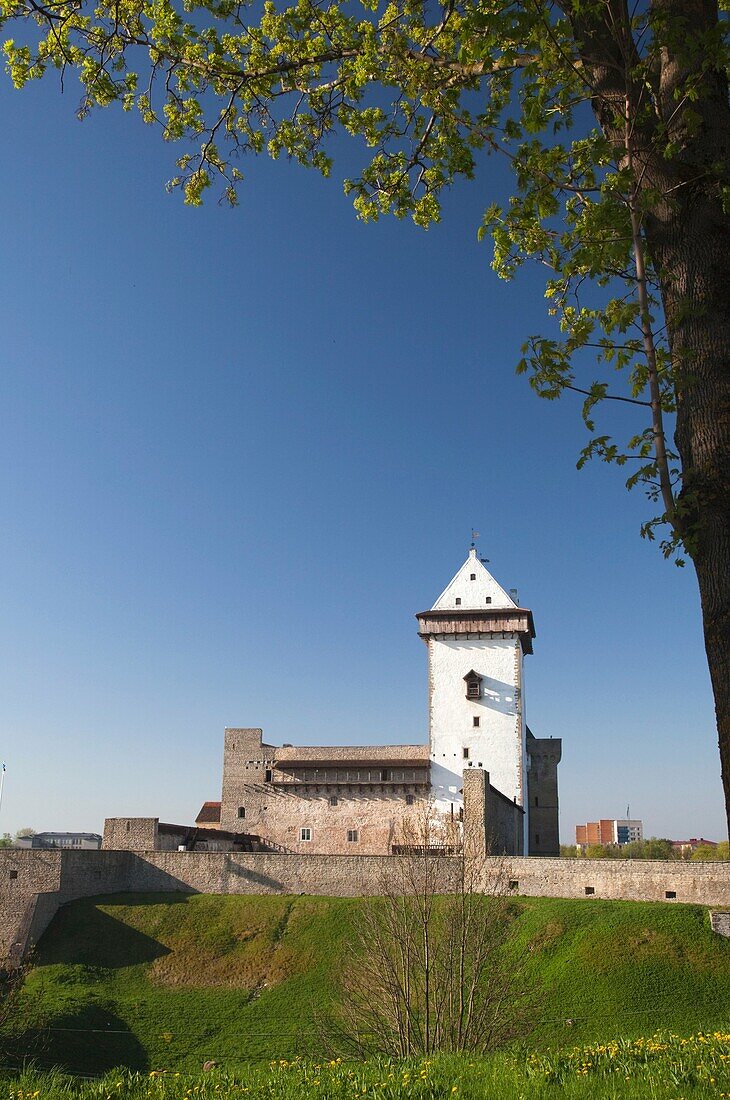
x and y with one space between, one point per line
685 846
609 831
78 841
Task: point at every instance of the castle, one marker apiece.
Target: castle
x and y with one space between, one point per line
358 799
304 820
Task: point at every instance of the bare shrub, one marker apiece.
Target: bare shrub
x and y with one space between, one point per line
432 966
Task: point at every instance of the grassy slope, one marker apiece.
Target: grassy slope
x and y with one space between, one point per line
187 978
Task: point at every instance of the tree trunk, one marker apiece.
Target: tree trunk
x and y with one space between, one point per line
691 246
688 237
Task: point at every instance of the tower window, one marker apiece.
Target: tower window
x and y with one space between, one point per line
305 833
353 836
466 753
489 599
473 685
475 720
458 601
472 577
241 811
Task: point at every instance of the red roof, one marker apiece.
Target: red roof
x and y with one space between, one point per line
209 812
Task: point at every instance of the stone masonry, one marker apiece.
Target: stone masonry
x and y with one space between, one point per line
33 884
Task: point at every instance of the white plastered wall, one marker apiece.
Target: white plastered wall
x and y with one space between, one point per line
473 587
498 744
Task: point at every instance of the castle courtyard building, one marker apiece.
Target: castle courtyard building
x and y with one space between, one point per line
365 799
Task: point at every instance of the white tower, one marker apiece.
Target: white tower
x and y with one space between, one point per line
477 636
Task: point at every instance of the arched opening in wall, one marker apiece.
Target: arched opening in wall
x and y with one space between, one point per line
241 812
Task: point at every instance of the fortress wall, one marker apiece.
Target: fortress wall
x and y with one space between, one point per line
621 879
44 880
136 834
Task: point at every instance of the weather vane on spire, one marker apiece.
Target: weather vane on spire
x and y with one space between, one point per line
474 537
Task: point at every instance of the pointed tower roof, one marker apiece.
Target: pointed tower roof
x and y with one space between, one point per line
472 587
473 603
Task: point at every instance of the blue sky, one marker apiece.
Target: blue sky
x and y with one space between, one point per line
240 449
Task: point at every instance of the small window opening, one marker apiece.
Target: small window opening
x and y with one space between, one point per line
129 826
458 601
305 833
267 775
536 800
333 800
461 813
590 889
537 835
385 776
409 800
489 599
466 753
669 894
241 811
353 836
13 874
452 809
472 576
475 720
513 884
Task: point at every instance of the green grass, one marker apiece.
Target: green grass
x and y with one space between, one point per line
169 981
664 1067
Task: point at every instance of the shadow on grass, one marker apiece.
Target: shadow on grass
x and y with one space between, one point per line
90 1039
85 935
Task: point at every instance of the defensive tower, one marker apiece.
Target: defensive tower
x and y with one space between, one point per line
477 636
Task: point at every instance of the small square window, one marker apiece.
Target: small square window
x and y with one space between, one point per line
590 889
475 720
409 800
472 577
466 753
458 601
489 599
13 874
513 884
333 800
241 811
353 836
305 833
669 894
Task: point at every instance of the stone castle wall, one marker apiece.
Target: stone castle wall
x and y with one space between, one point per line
342 818
42 881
